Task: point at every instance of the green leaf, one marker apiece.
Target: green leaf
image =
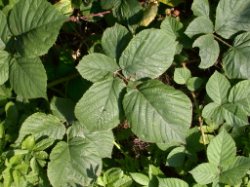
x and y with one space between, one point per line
194 83
240 95
63 108
126 10
235 116
231 17
64 6
205 173
42 125
149 54
99 109
28 77
200 8
4 30
172 182
218 88
140 178
236 171
96 67
235 61
102 140
35 25
176 157
114 40
157 112
181 75
213 112
4 66
222 150
209 50
171 26
77 162
200 25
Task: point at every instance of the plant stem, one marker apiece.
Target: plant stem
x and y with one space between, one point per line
199 118
121 76
222 41
119 148
62 80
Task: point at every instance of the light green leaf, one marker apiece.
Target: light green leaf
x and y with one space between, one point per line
232 16
218 88
42 125
140 178
157 112
240 95
222 150
114 40
64 6
28 77
236 171
200 25
96 67
205 173
235 61
149 54
209 50
181 75
113 174
213 112
172 182
102 140
35 25
77 162
99 108
171 26
4 30
200 8
235 116
4 66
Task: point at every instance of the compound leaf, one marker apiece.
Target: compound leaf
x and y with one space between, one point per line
157 112
77 161
200 25
42 125
218 87
205 173
99 109
114 40
209 50
222 150
240 95
96 67
149 54
200 8
35 25
28 77
171 26
234 173
235 61
172 182
231 17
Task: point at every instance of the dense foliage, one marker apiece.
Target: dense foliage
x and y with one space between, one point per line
123 93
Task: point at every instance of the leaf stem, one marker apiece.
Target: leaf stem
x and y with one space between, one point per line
119 148
121 76
222 41
62 80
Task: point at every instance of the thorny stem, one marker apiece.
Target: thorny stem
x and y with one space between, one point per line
62 80
199 118
222 41
99 14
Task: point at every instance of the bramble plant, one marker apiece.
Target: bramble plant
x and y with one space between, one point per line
123 93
